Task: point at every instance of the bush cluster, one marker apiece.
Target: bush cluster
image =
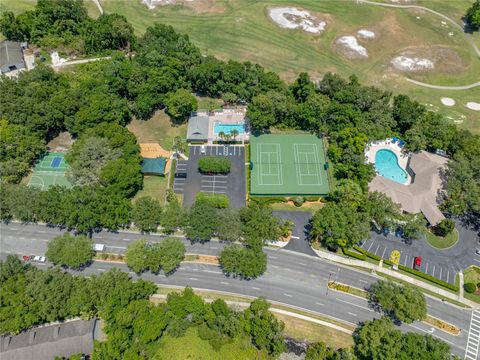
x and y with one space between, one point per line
214 165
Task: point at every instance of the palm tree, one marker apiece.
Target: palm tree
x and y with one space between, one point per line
221 135
234 133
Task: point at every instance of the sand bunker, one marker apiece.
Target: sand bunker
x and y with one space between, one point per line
351 44
447 101
366 34
406 63
293 18
473 106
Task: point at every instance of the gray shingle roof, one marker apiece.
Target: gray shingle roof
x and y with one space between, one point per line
198 128
10 53
46 342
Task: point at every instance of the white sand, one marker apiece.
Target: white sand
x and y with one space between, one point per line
406 63
366 34
473 106
351 43
293 18
447 101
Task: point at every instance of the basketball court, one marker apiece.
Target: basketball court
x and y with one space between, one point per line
288 165
50 170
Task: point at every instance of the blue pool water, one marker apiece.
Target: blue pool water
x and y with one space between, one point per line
227 128
386 164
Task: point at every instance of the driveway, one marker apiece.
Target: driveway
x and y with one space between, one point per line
233 184
299 241
442 264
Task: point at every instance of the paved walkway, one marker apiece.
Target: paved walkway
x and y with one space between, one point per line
395 274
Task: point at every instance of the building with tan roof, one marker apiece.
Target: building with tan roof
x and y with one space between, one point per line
424 193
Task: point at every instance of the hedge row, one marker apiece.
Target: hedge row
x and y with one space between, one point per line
366 253
268 199
214 164
429 278
220 201
354 254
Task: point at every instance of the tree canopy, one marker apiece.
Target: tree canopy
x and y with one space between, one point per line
70 251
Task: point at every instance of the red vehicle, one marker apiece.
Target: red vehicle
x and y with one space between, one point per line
417 262
26 258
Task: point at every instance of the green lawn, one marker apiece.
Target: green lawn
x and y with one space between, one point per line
442 242
18 6
157 129
242 30
192 347
155 187
472 274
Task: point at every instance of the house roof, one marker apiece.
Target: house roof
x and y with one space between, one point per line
154 166
423 194
46 342
198 128
10 53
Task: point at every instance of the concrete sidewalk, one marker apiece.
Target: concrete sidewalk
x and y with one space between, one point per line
381 270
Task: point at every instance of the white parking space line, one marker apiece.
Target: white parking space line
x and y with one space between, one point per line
350 313
224 283
384 251
370 246
294 237
406 259
440 273
378 246
433 273
287 295
426 268
255 288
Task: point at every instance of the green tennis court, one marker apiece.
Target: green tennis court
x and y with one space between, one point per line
50 170
287 165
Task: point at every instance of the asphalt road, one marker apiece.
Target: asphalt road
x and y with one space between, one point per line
291 278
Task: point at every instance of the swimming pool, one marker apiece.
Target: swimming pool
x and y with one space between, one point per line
227 128
386 164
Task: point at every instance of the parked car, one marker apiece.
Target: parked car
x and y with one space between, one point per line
26 258
40 259
98 247
181 175
477 251
202 150
417 262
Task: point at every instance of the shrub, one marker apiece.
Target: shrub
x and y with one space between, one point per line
366 253
470 287
220 201
268 199
354 254
428 277
214 164
444 227
298 201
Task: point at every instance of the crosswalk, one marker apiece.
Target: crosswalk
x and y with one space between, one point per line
471 352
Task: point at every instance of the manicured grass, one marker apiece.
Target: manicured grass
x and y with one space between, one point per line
242 30
442 242
302 330
191 346
19 6
158 129
154 187
472 275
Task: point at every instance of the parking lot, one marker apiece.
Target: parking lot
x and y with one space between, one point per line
233 184
442 264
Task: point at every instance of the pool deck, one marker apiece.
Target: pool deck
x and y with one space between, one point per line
402 158
226 116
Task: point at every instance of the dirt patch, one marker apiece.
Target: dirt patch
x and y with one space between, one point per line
198 6
294 18
63 142
420 59
204 259
350 47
